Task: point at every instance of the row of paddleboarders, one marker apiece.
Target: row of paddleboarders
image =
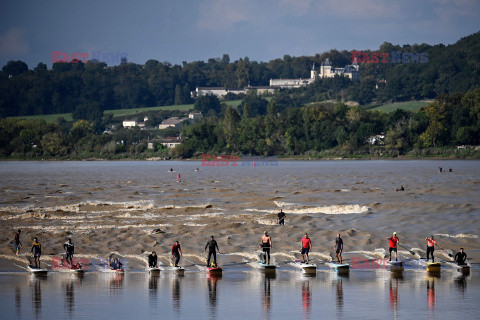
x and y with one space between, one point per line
265 243
394 242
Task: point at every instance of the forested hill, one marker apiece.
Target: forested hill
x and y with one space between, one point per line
67 86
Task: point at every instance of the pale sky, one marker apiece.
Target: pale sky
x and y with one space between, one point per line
190 30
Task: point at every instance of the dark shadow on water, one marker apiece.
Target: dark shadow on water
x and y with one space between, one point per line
306 299
213 294
176 294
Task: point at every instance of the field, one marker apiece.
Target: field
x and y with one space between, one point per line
407 106
122 112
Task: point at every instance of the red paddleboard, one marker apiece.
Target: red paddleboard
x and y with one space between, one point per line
214 271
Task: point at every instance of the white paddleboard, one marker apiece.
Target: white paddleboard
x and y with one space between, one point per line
36 270
267 266
340 267
306 267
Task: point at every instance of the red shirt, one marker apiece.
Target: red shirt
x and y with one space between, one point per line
431 242
175 248
393 242
306 243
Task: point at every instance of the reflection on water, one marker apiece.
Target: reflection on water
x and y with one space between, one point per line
139 295
212 294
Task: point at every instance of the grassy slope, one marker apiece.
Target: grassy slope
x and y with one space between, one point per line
122 112
407 106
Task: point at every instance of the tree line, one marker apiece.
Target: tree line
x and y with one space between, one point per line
71 86
259 128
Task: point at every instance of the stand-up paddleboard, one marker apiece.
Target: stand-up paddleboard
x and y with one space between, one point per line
395 266
153 270
178 270
267 268
214 271
308 268
340 267
464 269
37 271
433 266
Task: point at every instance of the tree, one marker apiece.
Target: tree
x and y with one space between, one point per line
15 68
207 103
53 144
90 112
230 127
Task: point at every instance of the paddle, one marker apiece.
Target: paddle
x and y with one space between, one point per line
449 254
411 252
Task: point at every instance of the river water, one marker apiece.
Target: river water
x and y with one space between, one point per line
111 208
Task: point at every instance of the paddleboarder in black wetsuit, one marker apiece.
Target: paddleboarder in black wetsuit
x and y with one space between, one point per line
176 252
212 250
152 260
17 242
37 252
69 251
281 218
460 257
338 248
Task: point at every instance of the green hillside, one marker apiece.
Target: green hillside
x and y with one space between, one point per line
407 106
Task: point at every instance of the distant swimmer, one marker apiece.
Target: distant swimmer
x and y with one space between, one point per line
197 169
392 246
212 250
37 252
178 177
306 247
338 248
461 257
400 189
266 244
431 247
17 242
171 170
69 251
176 252
152 260
281 218
440 169
450 170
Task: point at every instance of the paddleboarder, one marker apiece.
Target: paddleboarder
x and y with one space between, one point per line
37 252
17 242
266 244
281 218
392 246
152 260
431 247
69 251
212 250
338 248
306 246
176 252
461 257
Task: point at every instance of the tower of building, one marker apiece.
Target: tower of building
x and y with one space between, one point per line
313 72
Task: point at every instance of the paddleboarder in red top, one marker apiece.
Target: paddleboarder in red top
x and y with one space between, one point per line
176 252
431 247
392 246
306 246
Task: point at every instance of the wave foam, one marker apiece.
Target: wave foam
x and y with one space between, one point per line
461 235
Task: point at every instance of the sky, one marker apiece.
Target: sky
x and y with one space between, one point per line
185 30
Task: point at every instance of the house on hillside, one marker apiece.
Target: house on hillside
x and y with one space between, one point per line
171 142
129 123
174 122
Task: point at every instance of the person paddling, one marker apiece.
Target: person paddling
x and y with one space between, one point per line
338 248
431 247
461 257
281 218
266 244
69 251
306 247
17 242
212 250
37 252
392 246
176 252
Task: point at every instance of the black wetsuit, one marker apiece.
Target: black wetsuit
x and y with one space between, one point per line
176 253
37 249
281 218
339 244
212 247
70 249
152 260
460 258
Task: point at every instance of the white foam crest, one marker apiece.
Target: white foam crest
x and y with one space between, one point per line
321 255
192 224
247 255
335 209
92 227
284 204
377 253
204 215
461 235
266 222
262 210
